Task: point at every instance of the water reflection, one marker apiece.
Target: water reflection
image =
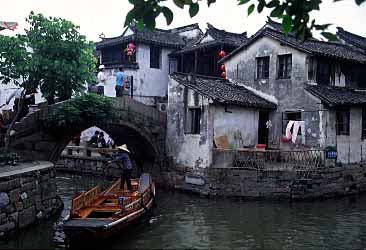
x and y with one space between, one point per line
185 221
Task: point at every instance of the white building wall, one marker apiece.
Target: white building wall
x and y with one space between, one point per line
188 150
7 89
240 126
148 82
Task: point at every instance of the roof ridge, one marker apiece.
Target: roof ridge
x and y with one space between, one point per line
193 25
210 26
202 76
341 30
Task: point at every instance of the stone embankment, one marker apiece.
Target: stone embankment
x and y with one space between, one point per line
275 184
329 180
28 195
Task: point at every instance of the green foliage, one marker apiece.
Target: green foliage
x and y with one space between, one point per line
13 59
294 14
59 60
79 113
62 58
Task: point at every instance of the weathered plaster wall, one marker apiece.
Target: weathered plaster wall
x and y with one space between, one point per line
189 150
352 148
27 196
240 126
148 82
290 93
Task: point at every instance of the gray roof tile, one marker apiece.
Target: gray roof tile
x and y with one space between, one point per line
222 91
312 46
337 96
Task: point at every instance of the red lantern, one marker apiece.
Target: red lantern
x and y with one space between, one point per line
223 74
222 67
222 54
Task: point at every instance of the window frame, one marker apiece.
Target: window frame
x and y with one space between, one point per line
297 116
116 55
261 63
193 124
155 57
343 121
284 66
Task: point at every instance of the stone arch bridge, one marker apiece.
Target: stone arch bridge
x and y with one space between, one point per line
139 126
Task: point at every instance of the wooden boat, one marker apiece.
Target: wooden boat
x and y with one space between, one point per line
100 215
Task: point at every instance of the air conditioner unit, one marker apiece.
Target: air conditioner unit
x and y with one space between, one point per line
162 107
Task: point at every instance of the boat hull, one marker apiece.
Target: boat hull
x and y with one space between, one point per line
84 226
75 230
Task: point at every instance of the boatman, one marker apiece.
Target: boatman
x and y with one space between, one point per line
122 158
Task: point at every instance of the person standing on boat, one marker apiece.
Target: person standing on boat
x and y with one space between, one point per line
123 158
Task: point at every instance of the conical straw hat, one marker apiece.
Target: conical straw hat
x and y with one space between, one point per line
124 147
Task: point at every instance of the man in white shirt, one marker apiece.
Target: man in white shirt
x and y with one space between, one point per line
102 79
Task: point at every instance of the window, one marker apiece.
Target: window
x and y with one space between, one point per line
364 123
284 66
312 69
342 121
155 57
290 116
263 67
193 120
116 55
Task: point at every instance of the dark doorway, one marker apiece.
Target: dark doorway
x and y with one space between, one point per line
262 127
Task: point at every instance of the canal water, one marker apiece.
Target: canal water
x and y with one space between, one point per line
189 221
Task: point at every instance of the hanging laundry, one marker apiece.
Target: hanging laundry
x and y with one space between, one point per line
295 131
288 135
295 126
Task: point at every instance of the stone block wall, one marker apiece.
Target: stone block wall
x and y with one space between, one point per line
27 197
272 185
87 165
224 180
98 166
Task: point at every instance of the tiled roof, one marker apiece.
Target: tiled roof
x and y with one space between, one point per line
221 38
222 91
168 38
311 46
226 37
337 96
352 39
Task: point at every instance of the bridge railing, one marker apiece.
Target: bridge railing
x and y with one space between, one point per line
88 152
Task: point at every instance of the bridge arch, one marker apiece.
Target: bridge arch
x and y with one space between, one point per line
139 126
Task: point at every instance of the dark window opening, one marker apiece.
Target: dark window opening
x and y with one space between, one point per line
342 120
284 66
312 69
155 57
364 123
193 124
290 116
116 55
263 67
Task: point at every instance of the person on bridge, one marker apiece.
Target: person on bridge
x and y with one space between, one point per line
102 80
122 158
101 141
93 142
119 82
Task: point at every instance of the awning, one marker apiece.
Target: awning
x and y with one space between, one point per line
8 25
